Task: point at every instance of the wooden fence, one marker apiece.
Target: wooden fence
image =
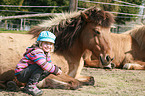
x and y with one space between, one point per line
26 24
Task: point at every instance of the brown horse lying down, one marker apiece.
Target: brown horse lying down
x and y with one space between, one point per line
128 50
74 32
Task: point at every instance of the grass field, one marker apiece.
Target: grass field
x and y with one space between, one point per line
12 31
117 82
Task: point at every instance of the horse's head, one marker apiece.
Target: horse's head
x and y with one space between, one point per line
96 34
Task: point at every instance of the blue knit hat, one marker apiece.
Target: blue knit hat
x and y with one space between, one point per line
46 36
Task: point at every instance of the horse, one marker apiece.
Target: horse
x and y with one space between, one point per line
128 50
75 32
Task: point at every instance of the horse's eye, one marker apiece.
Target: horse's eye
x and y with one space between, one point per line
97 32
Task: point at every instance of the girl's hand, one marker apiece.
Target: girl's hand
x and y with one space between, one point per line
59 72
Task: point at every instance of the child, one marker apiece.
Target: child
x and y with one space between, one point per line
36 63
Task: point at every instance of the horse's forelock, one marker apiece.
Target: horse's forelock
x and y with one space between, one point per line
108 19
100 17
104 18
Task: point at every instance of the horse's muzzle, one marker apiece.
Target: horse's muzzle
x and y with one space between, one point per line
106 61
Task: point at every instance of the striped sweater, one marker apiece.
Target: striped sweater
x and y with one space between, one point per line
35 55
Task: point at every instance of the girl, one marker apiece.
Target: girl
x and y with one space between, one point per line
36 63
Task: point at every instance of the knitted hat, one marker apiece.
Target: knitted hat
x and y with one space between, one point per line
46 36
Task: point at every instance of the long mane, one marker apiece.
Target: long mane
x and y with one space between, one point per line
139 35
68 26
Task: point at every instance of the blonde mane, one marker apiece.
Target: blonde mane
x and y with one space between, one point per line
57 19
139 35
63 18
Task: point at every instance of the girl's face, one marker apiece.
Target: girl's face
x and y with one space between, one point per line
47 46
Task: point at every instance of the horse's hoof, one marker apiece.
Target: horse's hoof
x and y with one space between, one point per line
75 85
132 66
91 81
12 86
126 66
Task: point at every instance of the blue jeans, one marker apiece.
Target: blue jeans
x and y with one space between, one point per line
32 74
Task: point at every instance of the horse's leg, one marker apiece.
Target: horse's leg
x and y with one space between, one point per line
92 63
75 72
139 65
88 62
62 81
2 85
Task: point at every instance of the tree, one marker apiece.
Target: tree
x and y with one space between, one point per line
24 10
47 3
10 9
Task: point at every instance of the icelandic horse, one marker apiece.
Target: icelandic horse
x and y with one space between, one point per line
128 50
75 32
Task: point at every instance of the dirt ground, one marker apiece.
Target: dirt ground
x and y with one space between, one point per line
117 82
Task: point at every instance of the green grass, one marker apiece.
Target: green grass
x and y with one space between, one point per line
12 31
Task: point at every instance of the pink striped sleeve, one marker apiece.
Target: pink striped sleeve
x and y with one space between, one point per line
39 58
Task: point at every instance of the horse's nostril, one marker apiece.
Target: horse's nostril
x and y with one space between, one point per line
108 58
101 60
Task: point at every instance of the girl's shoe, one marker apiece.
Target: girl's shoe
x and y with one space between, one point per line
33 90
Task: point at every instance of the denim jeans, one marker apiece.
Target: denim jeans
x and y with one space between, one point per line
32 74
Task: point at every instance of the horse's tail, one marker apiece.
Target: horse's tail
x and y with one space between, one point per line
36 30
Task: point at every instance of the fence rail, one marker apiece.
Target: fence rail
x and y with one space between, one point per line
24 24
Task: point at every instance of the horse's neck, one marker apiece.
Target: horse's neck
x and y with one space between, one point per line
68 57
75 52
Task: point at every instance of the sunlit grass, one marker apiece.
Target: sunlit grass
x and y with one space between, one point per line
12 31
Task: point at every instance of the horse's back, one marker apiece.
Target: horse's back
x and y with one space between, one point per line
12 47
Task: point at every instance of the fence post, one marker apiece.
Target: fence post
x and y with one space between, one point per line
21 27
73 4
24 23
5 24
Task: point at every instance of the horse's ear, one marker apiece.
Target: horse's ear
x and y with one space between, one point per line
85 16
